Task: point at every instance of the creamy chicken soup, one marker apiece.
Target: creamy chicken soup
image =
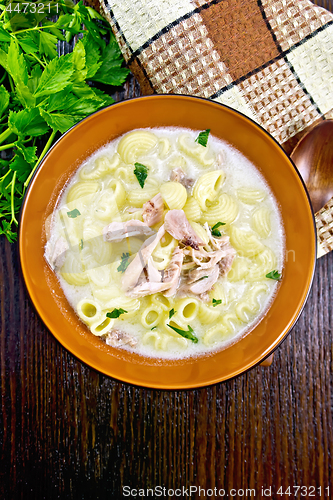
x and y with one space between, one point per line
167 242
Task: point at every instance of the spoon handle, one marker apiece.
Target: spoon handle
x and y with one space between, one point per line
324 224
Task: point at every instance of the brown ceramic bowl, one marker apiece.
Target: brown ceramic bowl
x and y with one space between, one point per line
279 172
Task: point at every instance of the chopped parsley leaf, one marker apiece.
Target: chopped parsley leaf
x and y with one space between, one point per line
116 313
203 137
141 172
187 334
73 213
215 231
202 278
124 263
274 275
154 328
217 302
171 313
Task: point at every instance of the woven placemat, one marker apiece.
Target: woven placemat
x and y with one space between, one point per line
269 59
324 223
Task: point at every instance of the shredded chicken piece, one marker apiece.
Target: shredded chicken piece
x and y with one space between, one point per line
178 175
117 231
203 284
56 254
153 210
134 270
198 274
225 264
222 243
117 337
147 288
204 259
132 210
178 226
153 274
170 279
172 272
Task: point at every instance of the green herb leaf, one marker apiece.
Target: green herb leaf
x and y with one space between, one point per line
61 100
202 278
105 98
64 22
16 64
3 60
274 275
56 76
58 121
111 72
34 78
4 36
203 137
79 60
48 44
154 328
218 224
28 152
24 95
171 313
4 100
74 213
27 122
215 231
20 166
6 230
217 302
27 43
141 172
91 26
115 313
124 263
187 334
93 55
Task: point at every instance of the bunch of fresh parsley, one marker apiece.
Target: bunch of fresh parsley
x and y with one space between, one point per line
42 94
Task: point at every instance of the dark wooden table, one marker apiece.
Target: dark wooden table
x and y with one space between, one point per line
67 431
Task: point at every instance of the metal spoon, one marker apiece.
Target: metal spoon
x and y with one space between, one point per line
313 157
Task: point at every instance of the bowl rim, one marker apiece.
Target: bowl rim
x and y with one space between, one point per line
129 379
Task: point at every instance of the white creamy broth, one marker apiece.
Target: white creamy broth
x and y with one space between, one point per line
198 289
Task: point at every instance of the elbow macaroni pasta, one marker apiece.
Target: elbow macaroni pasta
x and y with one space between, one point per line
174 195
225 210
195 150
207 187
136 144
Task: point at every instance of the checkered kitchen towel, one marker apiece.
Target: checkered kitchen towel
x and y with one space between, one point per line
270 59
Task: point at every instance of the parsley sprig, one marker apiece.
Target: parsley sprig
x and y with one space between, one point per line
74 213
141 173
274 275
216 302
188 334
42 94
116 313
124 263
172 312
215 231
203 137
